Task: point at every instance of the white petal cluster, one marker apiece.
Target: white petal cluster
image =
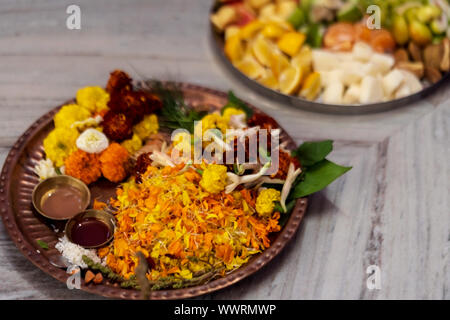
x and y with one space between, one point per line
92 141
45 169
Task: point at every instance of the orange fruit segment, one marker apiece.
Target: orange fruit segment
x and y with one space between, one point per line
250 67
262 50
290 80
311 86
291 42
233 48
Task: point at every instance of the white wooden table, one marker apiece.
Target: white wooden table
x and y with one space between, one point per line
391 210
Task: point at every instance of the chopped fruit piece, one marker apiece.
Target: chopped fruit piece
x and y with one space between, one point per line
334 93
257 4
382 41
273 30
267 12
250 29
297 18
250 67
285 9
290 80
371 90
392 81
223 17
291 42
244 14
324 60
269 80
416 68
352 94
303 60
383 62
231 31
362 51
233 48
262 50
419 33
279 63
400 30
340 36
311 86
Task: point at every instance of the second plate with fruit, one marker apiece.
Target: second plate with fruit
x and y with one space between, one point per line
330 55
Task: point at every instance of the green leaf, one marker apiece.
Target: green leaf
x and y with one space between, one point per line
235 102
175 112
42 244
318 177
310 153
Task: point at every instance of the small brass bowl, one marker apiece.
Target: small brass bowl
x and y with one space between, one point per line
44 188
100 215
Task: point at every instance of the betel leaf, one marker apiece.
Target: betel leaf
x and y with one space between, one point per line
310 153
42 244
235 102
317 177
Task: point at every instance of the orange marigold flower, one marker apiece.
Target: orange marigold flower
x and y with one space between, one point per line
114 162
84 166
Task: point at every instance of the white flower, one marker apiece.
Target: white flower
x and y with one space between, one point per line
234 180
92 141
290 178
238 121
45 169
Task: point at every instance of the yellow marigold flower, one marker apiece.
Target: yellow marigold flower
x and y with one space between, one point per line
186 274
69 114
214 178
228 112
94 99
265 202
132 145
211 121
59 144
182 141
147 127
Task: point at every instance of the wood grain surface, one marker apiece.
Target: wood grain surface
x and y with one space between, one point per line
390 210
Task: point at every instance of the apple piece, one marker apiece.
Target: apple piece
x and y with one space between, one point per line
223 17
257 4
286 8
267 12
329 77
371 90
402 91
231 31
352 94
353 72
333 93
383 62
392 81
411 81
244 14
362 51
324 60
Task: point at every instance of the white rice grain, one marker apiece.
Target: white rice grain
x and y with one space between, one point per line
74 253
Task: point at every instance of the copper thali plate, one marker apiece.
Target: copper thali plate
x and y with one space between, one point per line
315 106
25 226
